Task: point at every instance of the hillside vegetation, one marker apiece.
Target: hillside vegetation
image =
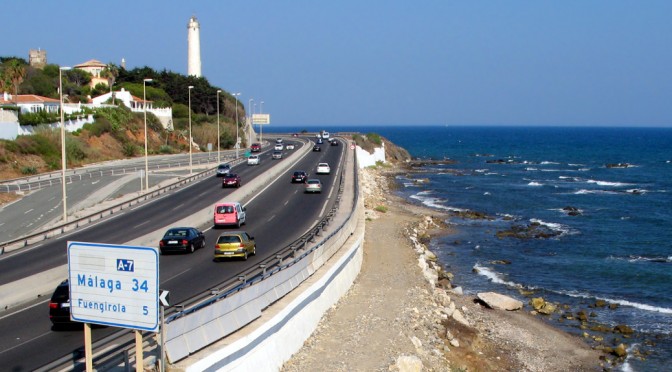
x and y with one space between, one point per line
116 132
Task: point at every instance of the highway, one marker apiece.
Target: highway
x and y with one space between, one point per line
275 217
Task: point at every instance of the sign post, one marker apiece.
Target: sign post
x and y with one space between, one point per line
114 285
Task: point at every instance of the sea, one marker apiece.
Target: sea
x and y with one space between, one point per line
601 195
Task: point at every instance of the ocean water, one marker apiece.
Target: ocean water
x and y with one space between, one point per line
618 248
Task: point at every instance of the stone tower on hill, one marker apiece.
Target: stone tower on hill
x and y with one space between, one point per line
37 58
194 41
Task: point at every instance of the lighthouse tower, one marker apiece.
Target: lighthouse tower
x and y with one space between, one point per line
194 41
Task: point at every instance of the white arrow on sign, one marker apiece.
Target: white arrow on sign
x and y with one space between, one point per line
163 298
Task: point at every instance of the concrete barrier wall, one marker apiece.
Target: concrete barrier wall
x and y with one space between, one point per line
272 343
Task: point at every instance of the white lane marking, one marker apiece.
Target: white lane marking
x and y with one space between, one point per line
179 206
176 275
95 182
286 202
28 211
29 307
143 223
323 208
24 342
272 217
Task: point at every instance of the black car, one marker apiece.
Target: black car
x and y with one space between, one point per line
317 148
181 239
299 177
334 142
59 305
231 180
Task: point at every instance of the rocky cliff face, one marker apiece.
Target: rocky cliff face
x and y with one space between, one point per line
395 154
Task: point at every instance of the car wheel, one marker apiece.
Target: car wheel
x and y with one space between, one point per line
203 244
254 250
161 251
190 248
245 256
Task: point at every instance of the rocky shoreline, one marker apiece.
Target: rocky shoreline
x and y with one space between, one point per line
433 326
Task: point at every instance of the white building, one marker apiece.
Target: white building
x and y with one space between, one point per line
165 115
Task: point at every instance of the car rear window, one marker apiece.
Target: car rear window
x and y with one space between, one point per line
228 239
176 233
225 209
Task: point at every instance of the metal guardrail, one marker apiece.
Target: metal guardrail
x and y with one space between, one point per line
83 221
124 350
55 178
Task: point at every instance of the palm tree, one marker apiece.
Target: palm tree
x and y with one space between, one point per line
15 72
110 72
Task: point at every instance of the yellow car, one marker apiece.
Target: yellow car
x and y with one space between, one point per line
235 244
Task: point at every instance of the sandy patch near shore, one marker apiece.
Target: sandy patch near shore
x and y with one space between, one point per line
393 319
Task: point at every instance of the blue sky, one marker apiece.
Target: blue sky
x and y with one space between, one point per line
431 62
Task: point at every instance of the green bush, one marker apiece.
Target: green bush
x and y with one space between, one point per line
374 138
381 209
74 150
129 149
165 149
28 170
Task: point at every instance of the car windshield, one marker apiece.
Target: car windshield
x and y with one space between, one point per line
228 239
223 166
232 175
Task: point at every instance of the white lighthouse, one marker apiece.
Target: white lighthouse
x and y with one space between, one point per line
194 41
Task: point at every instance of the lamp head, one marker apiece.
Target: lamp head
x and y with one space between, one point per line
147 80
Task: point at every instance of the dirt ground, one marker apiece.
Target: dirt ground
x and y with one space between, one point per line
390 319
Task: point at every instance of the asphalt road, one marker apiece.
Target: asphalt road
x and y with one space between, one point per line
44 206
275 217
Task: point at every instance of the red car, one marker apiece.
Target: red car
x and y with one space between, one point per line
231 180
256 147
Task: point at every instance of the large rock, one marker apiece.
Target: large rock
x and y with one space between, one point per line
409 363
499 302
457 315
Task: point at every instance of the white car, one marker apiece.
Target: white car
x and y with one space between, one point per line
290 146
253 160
323 168
278 147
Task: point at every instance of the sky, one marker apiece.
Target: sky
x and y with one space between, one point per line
385 62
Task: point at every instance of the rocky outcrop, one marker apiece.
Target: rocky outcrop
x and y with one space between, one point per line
534 230
572 211
499 302
618 165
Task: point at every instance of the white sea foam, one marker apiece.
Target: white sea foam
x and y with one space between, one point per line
575 165
534 183
486 193
494 277
481 170
584 191
562 229
584 169
636 258
434 202
549 162
531 169
607 183
646 307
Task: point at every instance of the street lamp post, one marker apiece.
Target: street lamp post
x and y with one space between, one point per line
60 89
144 103
250 128
235 97
191 169
218 148
261 130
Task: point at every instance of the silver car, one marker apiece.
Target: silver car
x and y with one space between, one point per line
313 185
